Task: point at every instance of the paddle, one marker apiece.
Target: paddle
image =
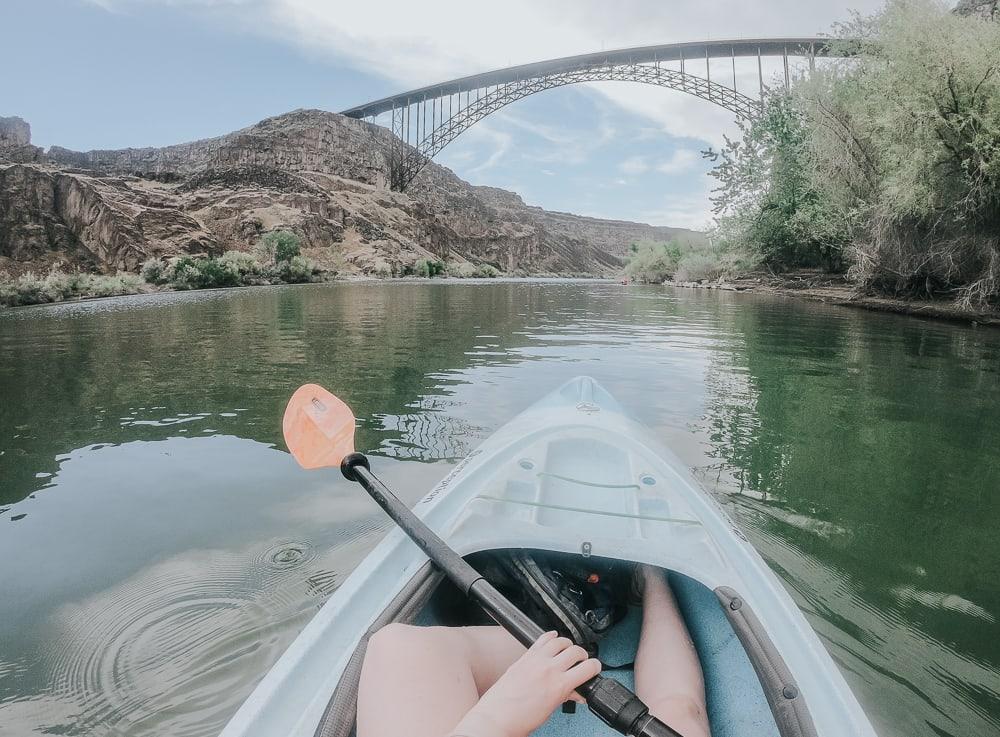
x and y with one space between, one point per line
319 431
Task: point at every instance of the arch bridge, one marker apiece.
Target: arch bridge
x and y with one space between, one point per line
426 120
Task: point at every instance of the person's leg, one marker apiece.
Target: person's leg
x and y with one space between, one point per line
421 681
668 675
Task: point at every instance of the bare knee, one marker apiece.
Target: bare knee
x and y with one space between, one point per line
686 714
396 641
395 656
394 634
394 637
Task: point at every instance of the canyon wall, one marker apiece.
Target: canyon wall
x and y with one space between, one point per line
319 174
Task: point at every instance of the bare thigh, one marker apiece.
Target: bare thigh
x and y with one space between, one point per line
421 681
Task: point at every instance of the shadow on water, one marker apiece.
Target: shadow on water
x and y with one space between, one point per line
161 549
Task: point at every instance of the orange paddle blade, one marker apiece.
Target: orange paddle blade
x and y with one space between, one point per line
318 427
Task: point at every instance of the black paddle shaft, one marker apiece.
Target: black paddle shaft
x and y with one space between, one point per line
612 702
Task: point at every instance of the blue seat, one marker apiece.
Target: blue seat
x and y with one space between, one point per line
734 697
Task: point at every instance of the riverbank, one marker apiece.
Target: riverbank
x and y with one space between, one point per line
85 287
817 286
812 285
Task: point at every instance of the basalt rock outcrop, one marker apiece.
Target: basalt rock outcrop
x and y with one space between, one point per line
986 9
15 141
319 174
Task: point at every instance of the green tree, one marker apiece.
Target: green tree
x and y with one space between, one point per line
767 198
278 246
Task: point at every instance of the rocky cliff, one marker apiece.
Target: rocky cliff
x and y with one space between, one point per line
987 9
317 173
15 141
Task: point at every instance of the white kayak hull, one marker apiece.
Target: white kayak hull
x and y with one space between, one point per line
571 474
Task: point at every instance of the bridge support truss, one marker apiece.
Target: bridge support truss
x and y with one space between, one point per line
426 120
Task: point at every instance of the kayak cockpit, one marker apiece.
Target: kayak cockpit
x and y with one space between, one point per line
747 685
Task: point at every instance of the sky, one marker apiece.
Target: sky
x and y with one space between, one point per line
92 74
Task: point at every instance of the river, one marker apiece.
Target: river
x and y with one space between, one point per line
160 548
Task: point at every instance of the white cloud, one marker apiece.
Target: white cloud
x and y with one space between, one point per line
500 142
683 159
681 212
562 145
691 210
633 165
554 134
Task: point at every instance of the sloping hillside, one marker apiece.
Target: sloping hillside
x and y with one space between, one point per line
318 173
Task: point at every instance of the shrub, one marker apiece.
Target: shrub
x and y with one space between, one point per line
112 286
152 271
461 270
8 292
211 274
287 249
30 290
233 268
76 282
201 273
486 271
56 286
263 251
698 266
243 266
653 263
297 270
278 246
182 273
428 268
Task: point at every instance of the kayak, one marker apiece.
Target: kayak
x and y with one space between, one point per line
574 475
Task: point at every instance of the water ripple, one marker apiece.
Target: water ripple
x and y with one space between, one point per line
176 648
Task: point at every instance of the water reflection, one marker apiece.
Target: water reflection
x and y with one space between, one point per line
859 454
161 549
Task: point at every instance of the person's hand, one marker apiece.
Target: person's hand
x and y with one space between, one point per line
532 688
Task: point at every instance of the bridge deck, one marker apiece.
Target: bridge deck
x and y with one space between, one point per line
689 51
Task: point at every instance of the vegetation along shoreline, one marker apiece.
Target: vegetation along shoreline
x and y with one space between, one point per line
811 285
879 172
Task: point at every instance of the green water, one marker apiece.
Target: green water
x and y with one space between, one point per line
160 549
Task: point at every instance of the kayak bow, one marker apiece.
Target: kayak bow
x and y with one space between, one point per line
573 474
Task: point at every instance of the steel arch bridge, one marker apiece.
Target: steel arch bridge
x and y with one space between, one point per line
454 106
